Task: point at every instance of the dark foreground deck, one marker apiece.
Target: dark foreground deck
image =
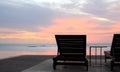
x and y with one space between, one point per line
19 63
41 63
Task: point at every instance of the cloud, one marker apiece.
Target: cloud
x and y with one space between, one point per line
39 20
102 9
96 7
117 8
99 9
8 35
65 25
85 25
10 31
74 25
29 14
25 17
15 33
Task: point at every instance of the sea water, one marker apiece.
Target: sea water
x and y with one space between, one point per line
11 50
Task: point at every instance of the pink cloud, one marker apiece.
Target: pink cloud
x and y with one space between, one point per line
76 25
65 25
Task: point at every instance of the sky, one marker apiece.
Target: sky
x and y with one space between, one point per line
37 21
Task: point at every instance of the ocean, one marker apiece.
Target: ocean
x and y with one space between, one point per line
11 50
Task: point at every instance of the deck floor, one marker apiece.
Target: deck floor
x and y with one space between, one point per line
46 66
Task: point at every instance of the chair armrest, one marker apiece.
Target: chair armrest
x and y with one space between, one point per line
107 54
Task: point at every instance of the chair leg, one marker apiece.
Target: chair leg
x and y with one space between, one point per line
112 65
86 62
54 63
105 59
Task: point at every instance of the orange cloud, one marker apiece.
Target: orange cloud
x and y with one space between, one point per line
8 35
20 34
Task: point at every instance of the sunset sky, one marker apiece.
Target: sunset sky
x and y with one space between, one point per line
37 21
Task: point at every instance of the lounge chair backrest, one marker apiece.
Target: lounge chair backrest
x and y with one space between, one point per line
115 48
71 45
